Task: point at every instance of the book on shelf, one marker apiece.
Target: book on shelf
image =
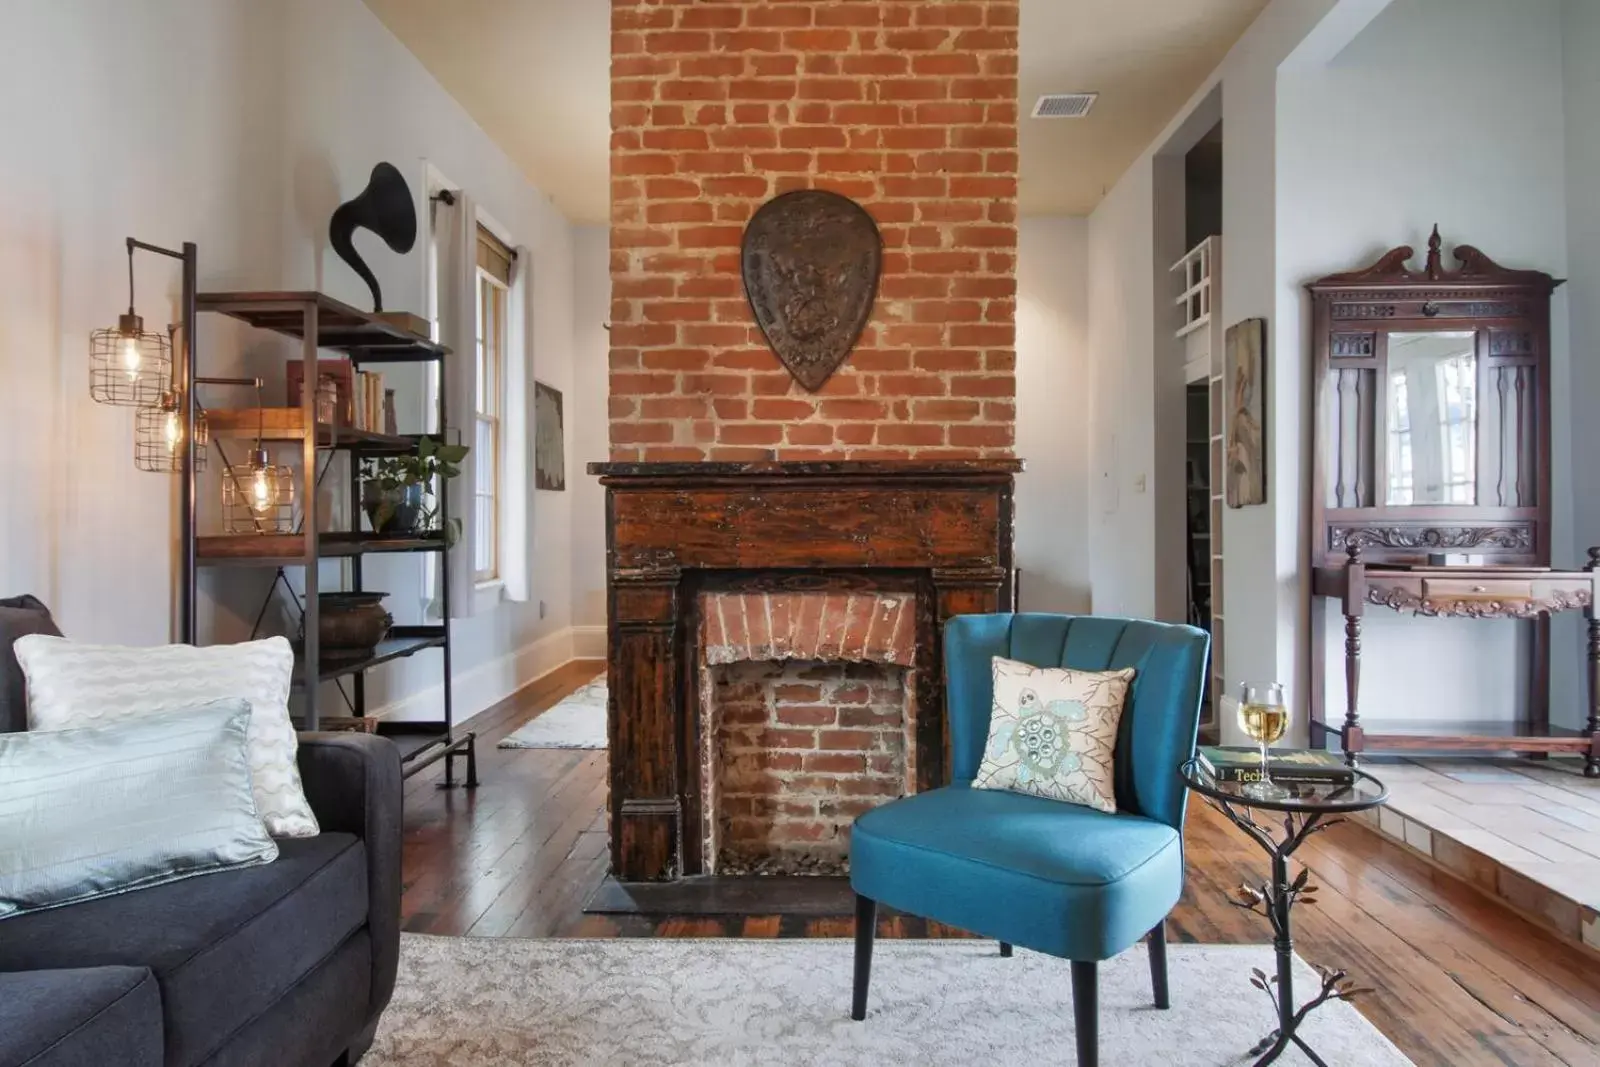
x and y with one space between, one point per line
369 401
1230 763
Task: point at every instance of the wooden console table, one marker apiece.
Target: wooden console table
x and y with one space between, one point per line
1494 592
1433 434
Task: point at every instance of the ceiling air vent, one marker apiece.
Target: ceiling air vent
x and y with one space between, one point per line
1064 105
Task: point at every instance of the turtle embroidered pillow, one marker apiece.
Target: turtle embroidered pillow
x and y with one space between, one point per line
71 685
1053 732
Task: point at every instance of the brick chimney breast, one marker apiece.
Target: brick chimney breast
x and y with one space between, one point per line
907 106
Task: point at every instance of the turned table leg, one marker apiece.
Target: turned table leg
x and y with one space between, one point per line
1352 686
1591 766
1354 603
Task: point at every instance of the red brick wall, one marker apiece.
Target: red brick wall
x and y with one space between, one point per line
801 750
908 106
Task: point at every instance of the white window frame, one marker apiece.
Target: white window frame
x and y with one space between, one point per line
493 302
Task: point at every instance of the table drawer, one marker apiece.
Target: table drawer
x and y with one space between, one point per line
1505 590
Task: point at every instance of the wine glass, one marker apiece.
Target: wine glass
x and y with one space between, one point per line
1263 718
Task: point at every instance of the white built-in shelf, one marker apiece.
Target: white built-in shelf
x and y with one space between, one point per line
1196 270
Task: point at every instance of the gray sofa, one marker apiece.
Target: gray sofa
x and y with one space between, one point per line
282 965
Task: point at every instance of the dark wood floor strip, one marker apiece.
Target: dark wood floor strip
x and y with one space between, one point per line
1459 979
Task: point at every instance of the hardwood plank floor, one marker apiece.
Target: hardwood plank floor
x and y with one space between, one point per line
1458 978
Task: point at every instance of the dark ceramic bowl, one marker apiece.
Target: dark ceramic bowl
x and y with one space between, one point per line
351 623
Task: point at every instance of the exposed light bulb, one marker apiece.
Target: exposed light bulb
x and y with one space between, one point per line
174 432
131 357
262 496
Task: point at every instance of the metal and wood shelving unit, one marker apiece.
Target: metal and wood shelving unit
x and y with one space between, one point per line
320 322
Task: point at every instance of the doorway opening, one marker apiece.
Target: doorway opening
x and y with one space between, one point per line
1200 331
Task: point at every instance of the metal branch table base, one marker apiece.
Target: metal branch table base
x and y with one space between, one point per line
1308 809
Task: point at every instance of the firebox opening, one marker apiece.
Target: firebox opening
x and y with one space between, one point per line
796 751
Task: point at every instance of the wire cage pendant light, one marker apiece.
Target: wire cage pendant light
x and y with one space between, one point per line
129 366
158 437
258 495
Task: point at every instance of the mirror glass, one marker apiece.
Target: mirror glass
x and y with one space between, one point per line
1432 418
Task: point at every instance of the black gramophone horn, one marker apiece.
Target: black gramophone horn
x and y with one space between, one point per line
385 207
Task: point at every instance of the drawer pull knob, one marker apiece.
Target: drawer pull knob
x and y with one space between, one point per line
1479 589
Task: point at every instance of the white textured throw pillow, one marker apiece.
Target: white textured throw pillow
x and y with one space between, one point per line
1052 732
72 685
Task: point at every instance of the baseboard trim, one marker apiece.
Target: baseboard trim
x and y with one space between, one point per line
589 642
488 684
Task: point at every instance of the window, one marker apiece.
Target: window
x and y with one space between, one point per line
1458 420
494 282
1401 473
1432 418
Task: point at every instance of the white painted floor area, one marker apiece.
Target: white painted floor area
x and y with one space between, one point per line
1525 830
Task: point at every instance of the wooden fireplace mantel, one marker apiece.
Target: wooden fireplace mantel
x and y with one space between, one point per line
942 530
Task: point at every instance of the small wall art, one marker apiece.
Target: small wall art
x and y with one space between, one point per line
1244 397
549 439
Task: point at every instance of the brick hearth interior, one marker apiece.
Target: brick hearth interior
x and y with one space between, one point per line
801 749
807 724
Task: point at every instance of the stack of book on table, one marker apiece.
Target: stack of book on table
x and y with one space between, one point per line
1227 763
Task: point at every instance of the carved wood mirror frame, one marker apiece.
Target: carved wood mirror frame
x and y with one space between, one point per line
1354 315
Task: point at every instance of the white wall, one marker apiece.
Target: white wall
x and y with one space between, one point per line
1581 38
1322 173
1052 541
238 125
107 136
587 419
1121 349
1264 594
1510 202
1261 595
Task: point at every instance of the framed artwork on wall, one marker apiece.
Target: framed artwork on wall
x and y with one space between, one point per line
549 439
1244 399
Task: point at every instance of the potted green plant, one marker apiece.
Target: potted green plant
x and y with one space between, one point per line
400 493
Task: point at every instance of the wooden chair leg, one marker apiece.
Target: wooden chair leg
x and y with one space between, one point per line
1005 950
1086 1012
866 927
1158 964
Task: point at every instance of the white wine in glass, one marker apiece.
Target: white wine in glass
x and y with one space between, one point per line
1264 719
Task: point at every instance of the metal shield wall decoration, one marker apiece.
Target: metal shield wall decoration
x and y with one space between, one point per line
811 261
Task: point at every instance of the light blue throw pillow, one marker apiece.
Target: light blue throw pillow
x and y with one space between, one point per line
93 812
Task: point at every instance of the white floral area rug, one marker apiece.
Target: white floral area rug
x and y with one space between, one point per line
578 721
493 1002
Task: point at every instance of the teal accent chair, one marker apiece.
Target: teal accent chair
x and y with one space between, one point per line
1057 878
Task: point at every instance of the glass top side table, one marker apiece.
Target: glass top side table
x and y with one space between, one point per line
1280 827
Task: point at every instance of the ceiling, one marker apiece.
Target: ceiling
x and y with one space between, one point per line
535 76
1144 57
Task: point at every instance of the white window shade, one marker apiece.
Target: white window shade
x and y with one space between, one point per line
456 240
516 436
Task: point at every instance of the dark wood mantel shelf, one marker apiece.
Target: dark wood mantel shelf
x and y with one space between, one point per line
767 469
940 530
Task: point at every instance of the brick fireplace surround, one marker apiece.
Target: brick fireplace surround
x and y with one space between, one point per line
731 485
720 571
